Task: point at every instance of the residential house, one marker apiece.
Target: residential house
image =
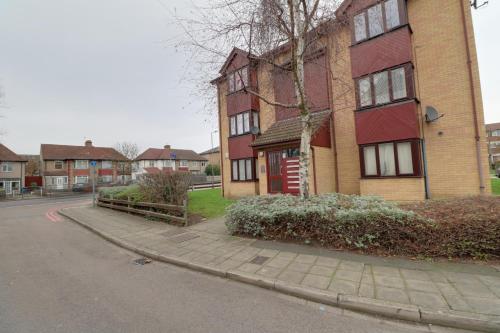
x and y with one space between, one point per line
212 155
374 77
63 166
166 159
12 171
493 132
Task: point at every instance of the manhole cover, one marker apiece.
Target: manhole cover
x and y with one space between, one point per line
259 260
142 261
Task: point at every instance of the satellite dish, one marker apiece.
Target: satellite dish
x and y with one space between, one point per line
431 114
254 130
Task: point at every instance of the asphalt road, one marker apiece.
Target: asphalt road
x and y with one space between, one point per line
56 276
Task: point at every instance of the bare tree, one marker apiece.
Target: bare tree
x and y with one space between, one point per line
128 149
281 33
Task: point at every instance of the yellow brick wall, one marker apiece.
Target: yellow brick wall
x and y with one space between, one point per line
344 104
397 189
262 176
231 189
325 171
443 82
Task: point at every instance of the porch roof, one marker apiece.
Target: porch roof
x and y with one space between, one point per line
290 129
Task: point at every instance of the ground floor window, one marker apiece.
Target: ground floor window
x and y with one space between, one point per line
243 169
106 179
81 179
390 159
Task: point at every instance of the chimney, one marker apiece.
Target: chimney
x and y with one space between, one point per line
166 146
88 143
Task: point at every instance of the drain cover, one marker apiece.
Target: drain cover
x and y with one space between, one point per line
142 261
259 260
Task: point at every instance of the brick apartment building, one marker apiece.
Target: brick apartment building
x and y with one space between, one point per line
493 133
391 60
63 166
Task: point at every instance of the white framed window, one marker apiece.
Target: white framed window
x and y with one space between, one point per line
398 83
107 164
387 162
151 164
495 132
235 169
370 160
168 163
233 126
246 122
405 159
106 179
7 167
381 84
81 164
375 20
359 27
238 79
391 14
365 92
184 163
243 169
58 165
239 123
256 119
81 179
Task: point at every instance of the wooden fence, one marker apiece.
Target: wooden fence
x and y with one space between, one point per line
161 211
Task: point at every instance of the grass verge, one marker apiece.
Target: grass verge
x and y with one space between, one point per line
207 203
495 186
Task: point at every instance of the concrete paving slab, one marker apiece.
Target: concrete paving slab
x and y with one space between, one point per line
391 294
291 276
343 287
316 281
428 300
344 274
322 270
299 267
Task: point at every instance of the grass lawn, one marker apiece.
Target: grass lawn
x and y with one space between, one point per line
207 203
495 186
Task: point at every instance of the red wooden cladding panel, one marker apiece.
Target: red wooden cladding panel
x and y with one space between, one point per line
316 86
81 172
388 123
239 147
30 180
238 61
105 172
290 173
241 101
391 49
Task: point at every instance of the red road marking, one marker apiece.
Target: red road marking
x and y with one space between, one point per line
52 214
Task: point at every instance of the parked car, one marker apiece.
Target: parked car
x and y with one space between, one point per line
79 187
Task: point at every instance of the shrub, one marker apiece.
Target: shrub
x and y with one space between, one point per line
212 170
336 220
122 193
165 187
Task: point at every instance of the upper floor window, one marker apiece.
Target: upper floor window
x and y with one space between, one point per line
58 165
240 123
495 132
390 159
107 164
238 79
167 163
384 87
151 164
81 164
376 20
7 167
184 163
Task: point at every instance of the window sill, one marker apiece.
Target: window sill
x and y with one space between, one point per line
395 102
382 34
389 177
238 135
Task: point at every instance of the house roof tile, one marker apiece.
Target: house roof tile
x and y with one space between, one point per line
210 151
65 152
169 154
290 129
9 156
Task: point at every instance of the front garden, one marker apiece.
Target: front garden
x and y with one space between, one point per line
454 228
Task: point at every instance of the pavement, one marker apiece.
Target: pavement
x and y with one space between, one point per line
57 277
455 295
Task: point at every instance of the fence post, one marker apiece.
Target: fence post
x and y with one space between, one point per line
128 204
111 202
185 204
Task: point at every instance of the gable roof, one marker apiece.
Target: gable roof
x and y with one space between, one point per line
290 129
66 152
210 151
8 155
236 51
169 154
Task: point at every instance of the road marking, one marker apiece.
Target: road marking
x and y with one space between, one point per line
47 203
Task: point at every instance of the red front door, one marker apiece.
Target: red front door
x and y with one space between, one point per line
283 172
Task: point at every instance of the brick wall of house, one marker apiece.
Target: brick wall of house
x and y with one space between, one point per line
324 166
399 189
441 69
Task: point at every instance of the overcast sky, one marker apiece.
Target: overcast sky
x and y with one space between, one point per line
77 69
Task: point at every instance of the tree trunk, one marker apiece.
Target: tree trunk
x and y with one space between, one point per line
305 115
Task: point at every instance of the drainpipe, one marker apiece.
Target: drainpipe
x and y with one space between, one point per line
473 97
314 171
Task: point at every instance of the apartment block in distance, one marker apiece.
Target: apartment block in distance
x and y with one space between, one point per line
397 109
64 166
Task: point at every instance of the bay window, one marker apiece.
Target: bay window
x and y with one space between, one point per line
81 179
81 164
243 169
241 123
390 159
385 87
238 79
377 19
